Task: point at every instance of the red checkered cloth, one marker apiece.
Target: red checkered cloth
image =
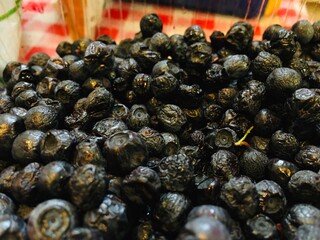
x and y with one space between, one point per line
44 27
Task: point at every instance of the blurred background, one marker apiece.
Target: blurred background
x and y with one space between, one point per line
47 22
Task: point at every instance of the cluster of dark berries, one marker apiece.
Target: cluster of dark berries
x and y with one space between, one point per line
164 137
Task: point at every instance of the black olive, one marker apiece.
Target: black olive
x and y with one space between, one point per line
253 163
300 66
6 103
176 172
38 59
150 24
259 143
137 117
236 66
78 47
171 118
226 96
250 99
63 48
225 165
280 171
167 66
178 48
217 40
239 36
77 120
11 126
240 196
7 176
153 105
57 144
142 186
307 231
12 227
153 139
9 67
204 227
53 218
315 51
87 186
99 103
56 68
282 43
212 112
108 126
124 151
145 57
19 111
46 86
88 152
54 177
261 227
123 48
299 214
27 99
57 105
199 55
164 86
91 84
304 105
213 211
7 206
304 186
70 58
221 138
215 76
255 47
20 87
41 118
283 145
25 184
21 73
84 234
160 42
194 34
316 28
206 189
78 71
171 143
266 122
189 96
146 230
24 211
264 64
128 68
236 121
303 30
141 85
309 157
67 92
270 31
282 82
272 200
110 218
106 39
26 146
171 210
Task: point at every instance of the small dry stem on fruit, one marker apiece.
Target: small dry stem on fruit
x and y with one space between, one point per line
241 142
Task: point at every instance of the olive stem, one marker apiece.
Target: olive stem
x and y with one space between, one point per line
241 142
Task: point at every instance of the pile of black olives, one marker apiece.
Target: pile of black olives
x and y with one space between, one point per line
165 137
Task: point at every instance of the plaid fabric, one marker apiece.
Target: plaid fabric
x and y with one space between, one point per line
44 27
